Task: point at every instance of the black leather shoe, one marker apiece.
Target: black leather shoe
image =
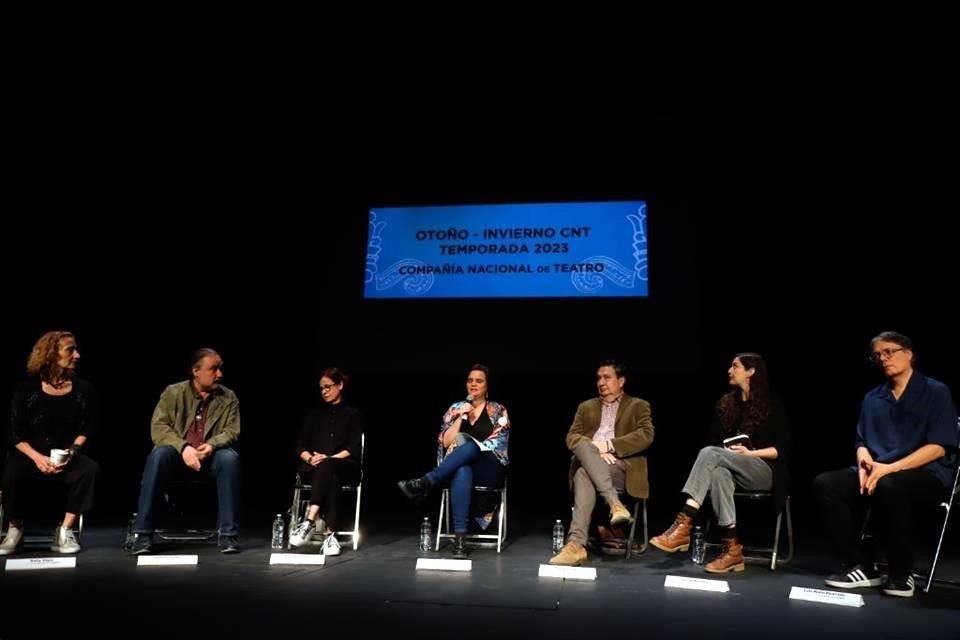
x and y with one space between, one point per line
459 549
229 544
142 544
414 489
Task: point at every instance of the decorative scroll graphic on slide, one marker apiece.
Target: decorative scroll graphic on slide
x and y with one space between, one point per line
412 284
613 270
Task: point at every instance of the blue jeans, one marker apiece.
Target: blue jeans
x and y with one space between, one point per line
164 462
464 467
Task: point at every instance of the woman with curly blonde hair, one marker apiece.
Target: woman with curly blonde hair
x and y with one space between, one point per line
51 416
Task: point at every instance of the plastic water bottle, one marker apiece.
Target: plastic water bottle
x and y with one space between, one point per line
698 546
278 530
426 535
558 536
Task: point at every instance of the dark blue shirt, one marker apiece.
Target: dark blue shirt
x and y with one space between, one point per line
925 414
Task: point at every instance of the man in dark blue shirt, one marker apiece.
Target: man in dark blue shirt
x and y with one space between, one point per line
906 455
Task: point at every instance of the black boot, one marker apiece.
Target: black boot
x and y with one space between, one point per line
459 550
415 489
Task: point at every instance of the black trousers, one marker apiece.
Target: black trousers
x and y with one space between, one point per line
325 480
892 503
22 475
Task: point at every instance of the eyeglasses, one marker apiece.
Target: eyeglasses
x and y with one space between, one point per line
327 387
885 354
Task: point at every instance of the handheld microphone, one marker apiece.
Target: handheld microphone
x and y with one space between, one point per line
469 401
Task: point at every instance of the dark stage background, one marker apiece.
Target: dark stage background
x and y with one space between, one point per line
797 237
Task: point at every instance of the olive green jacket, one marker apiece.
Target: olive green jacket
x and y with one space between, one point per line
176 410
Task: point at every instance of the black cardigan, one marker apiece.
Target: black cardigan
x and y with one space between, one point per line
31 422
775 432
330 429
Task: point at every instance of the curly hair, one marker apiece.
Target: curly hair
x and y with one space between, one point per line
745 416
43 357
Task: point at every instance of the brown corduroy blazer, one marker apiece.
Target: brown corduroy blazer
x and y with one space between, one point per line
633 434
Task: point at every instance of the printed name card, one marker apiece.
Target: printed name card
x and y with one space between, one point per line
31 564
827 597
298 558
443 564
567 573
168 560
697 584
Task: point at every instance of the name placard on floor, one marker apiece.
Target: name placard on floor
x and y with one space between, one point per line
298 558
32 564
168 560
827 597
443 564
697 584
567 573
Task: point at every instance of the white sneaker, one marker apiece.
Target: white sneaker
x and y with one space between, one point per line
12 542
301 535
64 541
331 546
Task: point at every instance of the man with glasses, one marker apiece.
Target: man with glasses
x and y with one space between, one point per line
193 426
907 427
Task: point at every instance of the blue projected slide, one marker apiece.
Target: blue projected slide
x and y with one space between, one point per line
582 249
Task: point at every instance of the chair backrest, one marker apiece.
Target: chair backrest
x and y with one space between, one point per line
956 472
363 452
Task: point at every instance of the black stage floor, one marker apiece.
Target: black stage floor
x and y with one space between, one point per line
377 590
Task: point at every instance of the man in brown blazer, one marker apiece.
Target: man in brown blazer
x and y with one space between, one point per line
607 438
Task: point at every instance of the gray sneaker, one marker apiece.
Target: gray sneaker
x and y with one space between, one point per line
12 542
301 535
64 541
331 546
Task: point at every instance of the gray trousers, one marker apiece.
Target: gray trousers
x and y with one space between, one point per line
719 471
592 476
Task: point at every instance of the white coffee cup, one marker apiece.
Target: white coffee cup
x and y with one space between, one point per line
59 456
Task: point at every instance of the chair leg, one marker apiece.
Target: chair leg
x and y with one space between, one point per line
936 555
633 529
776 543
789 557
295 507
506 520
646 533
356 518
440 519
502 519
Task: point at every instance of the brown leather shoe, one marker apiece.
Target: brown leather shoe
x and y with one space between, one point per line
571 555
611 535
677 537
619 515
731 558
